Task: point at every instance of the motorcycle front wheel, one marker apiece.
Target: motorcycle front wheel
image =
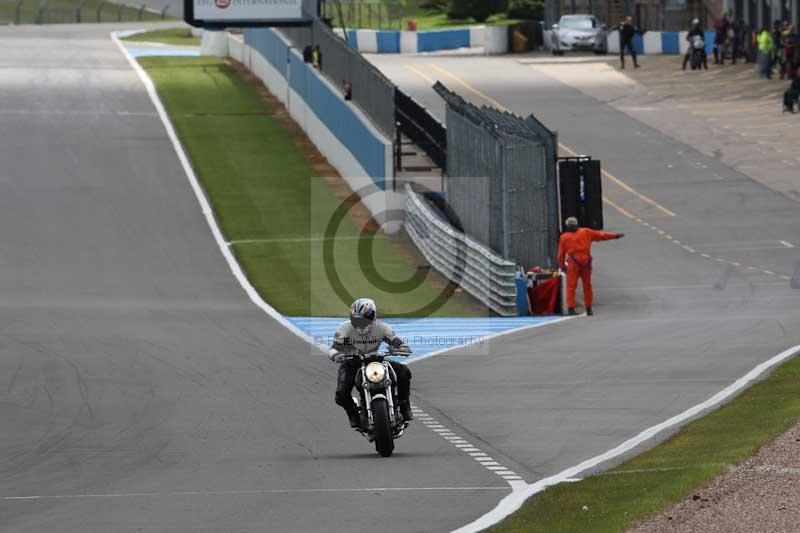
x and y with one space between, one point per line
384 443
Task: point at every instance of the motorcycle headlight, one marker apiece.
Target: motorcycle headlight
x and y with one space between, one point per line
376 372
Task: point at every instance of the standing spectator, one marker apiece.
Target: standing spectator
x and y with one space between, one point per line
316 57
791 96
766 48
789 42
626 33
721 26
777 51
737 29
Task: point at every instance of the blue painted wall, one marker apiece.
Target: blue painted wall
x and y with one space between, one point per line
670 43
270 46
428 41
388 42
326 103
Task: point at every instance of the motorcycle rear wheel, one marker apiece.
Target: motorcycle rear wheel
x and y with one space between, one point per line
384 443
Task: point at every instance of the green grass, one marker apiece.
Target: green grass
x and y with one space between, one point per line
63 11
669 472
427 19
179 36
262 187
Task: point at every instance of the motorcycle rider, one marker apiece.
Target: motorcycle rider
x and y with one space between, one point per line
695 31
364 333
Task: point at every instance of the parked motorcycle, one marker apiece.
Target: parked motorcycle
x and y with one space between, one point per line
697 58
376 384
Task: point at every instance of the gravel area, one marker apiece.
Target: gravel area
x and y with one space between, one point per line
761 494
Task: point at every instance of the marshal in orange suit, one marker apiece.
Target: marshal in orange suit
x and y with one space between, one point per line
575 247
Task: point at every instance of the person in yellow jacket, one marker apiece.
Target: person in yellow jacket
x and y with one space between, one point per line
766 48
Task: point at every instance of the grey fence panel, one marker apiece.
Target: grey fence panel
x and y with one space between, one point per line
478 270
371 90
502 180
473 196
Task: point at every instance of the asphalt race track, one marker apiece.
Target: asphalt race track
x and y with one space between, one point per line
672 328
145 392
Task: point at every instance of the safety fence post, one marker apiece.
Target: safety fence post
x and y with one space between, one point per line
18 12
120 10
140 14
164 12
79 11
40 15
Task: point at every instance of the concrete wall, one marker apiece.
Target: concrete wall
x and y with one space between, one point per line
412 42
652 42
339 130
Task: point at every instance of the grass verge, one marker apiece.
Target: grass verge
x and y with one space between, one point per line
427 19
63 11
179 36
266 198
668 473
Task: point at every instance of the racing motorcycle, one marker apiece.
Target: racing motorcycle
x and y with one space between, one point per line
376 384
698 46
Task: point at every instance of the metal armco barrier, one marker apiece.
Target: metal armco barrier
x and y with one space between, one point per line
479 271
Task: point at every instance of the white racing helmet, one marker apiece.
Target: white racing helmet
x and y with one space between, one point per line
362 315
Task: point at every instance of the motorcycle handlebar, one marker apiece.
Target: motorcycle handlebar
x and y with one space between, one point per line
341 358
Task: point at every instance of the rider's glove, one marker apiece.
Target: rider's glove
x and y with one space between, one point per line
333 355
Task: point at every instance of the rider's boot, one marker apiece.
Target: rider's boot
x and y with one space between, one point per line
405 410
355 418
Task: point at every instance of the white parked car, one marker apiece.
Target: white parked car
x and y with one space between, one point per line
579 32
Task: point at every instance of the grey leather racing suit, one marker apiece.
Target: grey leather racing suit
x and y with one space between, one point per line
347 341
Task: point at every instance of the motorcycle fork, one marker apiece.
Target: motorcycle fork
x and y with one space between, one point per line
390 392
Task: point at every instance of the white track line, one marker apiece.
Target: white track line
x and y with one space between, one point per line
490 336
205 206
224 247
514 501
521 490
256 492
481 458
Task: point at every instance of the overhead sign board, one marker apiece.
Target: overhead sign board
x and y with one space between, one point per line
228 13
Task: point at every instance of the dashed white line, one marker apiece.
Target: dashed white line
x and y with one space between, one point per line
787 244
514 481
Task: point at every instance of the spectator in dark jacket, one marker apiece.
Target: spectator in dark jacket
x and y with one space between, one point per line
721 38
738 39
791 96
626 32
